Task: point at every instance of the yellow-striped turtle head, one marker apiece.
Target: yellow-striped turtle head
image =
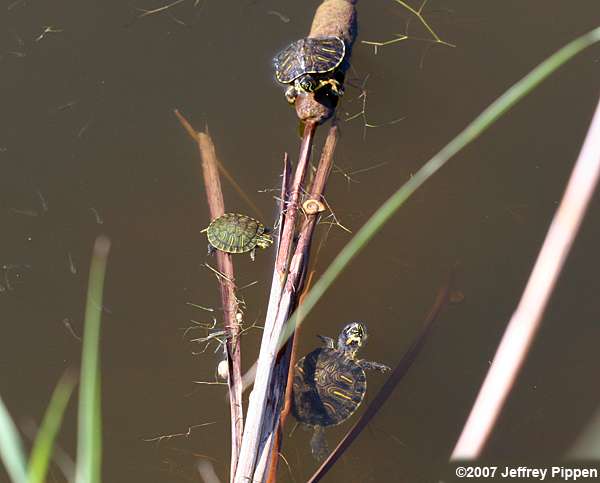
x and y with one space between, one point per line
265 240
352 338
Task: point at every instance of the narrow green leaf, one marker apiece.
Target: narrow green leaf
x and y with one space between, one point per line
89 430
97 453
11 447
41 452
499 107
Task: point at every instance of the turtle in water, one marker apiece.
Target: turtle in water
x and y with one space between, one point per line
309 64
330 383
235 233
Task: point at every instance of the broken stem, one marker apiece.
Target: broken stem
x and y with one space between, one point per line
212 183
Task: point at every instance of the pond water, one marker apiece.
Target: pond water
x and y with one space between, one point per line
89 145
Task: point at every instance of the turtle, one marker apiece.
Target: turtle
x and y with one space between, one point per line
235 233
330 383
309 64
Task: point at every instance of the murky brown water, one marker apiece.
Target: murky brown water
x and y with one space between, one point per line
87 92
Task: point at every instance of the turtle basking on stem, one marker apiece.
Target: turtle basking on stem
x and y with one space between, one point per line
330 384
309 64
235 233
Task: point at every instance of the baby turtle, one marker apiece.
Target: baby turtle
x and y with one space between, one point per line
235 233
308 65
330 383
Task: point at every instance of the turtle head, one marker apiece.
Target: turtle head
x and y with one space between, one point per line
265 240
306 83
352 338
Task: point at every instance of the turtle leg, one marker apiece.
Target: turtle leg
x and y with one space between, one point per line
318 444
334 85
252 253
211 249
328 341
373 366
290 94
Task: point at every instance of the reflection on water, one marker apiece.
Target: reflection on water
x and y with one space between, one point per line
89 145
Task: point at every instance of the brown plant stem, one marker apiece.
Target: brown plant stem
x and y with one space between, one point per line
302 249
287 403
212 183
288 303
272 475
527 317
265 398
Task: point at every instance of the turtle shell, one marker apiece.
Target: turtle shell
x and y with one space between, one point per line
234 233
328 388
312 55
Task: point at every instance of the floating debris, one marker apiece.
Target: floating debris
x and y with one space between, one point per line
72 267
12 274
99 220
14 4
208 309
69 327
24 212
456 297
187 434
282 17
145 12
223 370
85 127
48 30
66 106
42 201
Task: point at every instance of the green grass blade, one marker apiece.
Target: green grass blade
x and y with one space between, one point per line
89 430
41 452
470 133
97 454
11 447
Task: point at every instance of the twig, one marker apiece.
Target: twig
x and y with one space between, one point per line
389 386
227 287
187 434
159 9
525 321
400 37
48 29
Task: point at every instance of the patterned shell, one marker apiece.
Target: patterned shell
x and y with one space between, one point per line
316 55
328 388
234 233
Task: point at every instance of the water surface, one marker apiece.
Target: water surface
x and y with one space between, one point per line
89 145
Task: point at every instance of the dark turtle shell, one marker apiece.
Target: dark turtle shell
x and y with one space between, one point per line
234 233
312 55
328 388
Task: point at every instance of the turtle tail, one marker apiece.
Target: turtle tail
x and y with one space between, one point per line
318 444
